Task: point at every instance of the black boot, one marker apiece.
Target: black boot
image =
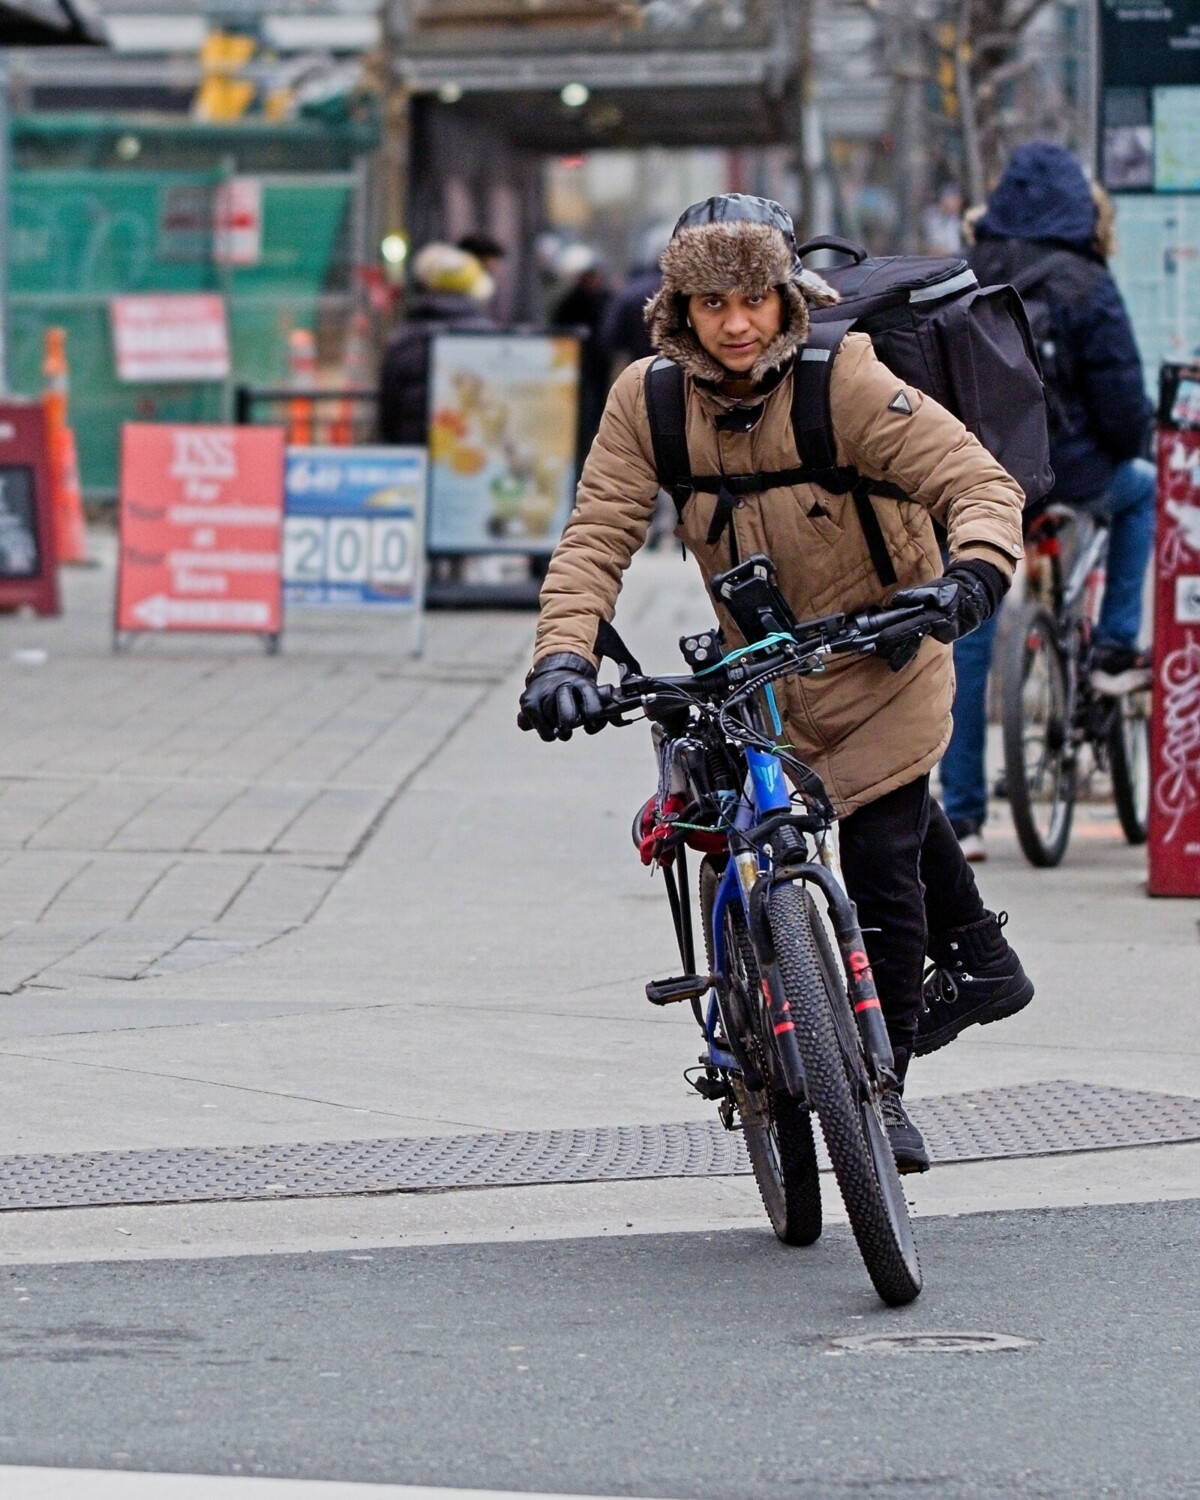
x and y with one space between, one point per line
905 1139
974 978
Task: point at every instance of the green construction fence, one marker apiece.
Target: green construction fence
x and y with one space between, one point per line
80 234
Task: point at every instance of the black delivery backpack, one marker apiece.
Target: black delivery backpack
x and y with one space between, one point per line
936 328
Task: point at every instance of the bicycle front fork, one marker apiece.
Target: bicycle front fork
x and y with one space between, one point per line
860 981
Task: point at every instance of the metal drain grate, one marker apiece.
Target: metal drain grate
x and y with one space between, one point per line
1035 1119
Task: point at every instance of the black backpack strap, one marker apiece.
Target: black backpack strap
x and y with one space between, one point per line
666 409
877 546
812 421
812 425
609 644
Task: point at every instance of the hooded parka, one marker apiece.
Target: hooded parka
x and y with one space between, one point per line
1042 215
865 729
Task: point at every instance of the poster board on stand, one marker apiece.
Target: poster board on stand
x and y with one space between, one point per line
503 419
200 530
354 530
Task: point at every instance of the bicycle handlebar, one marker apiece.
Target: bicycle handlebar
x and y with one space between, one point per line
832 635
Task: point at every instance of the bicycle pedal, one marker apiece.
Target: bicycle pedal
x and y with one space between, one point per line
680 987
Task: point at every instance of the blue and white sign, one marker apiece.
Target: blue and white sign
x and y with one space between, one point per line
354 524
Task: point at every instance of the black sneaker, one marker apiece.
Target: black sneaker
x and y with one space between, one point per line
905 1139
1114 670
974 978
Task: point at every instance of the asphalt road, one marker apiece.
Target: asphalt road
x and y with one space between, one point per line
669 1365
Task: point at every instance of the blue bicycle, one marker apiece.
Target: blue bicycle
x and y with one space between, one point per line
790 1026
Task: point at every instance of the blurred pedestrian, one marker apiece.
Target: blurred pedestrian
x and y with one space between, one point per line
941 222
451 289
487 250
582 307
624 336
1049 233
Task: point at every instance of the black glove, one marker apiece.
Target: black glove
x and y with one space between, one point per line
960 601
561 695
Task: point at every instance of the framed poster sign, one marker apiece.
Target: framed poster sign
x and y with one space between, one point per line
503 414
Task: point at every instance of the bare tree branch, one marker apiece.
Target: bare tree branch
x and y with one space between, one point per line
1022 16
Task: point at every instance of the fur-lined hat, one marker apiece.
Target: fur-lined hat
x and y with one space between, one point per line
733 243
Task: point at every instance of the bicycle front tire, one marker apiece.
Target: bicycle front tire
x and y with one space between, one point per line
1038 769
846 1108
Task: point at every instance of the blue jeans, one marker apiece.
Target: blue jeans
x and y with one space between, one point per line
963 771
1129 508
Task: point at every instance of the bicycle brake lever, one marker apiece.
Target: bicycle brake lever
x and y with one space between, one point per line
616 708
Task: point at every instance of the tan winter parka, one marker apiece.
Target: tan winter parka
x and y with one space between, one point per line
865 729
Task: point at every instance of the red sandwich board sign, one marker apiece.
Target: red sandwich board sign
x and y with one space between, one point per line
28 564
201 528
1175 702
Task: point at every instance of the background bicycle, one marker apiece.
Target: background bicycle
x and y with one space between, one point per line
1059 731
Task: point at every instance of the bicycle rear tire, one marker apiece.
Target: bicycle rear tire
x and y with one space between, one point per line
846 1107
1039 770
1129 761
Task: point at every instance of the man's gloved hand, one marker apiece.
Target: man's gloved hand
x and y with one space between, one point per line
560 696
960 601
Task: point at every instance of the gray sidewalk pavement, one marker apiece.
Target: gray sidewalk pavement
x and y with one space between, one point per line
336 895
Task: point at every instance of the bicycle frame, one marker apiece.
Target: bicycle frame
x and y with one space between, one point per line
749 877
685 714
1076 598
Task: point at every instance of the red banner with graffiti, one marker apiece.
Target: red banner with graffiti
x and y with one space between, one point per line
201 525
1175 722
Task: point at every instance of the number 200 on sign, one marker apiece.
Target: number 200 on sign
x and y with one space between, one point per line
348 550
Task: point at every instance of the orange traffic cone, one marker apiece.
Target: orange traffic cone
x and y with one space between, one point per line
70 533
302 376
356 375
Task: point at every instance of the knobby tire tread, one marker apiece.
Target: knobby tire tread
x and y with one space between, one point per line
832 1097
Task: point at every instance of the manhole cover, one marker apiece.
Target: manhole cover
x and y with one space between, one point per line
928 1343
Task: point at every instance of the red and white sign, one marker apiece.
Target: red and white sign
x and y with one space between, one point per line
1175 705
237 222
201 528
170 336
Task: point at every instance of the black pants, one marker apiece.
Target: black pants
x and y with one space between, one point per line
906 873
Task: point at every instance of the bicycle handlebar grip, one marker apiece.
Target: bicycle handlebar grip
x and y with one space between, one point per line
872 621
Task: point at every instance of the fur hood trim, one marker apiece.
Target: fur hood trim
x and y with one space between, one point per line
729 256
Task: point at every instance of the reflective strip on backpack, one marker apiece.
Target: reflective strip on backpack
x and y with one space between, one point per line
958 283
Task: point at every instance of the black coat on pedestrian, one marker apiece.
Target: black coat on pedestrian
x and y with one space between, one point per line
1042 213
404 371
623 333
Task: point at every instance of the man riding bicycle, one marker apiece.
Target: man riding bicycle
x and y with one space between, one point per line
733 312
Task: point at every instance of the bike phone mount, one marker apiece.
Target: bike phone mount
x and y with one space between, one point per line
753 598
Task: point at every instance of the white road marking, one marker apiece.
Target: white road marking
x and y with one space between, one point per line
119 1484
